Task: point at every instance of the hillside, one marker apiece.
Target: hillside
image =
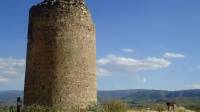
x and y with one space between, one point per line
189 99
148 95
9 97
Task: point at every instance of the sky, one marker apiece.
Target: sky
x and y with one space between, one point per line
141 44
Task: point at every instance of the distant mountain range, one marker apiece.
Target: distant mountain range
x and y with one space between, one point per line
9 97
147 95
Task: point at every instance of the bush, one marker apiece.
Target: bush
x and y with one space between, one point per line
8 109
115 106
95 108
160 108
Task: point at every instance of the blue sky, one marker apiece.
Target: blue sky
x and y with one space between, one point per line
141 44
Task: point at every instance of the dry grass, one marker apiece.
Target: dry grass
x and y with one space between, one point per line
179 109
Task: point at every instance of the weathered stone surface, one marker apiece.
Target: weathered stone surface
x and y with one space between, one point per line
61 55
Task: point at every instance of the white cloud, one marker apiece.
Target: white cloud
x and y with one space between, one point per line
11 68
128 50
3 80
173 55
196 86
115 64
103 61
103 72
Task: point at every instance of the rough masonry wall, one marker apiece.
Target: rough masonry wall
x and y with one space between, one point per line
61 55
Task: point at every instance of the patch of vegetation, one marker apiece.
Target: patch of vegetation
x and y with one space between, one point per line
115 106
112 106
8 109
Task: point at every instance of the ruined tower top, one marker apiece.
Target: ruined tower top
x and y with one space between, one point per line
72 1
64 2
54 10
51 7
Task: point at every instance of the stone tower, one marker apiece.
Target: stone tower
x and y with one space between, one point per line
61 55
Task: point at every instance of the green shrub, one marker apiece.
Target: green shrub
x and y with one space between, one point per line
8 109
160 108
4 109
95 108
115 106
